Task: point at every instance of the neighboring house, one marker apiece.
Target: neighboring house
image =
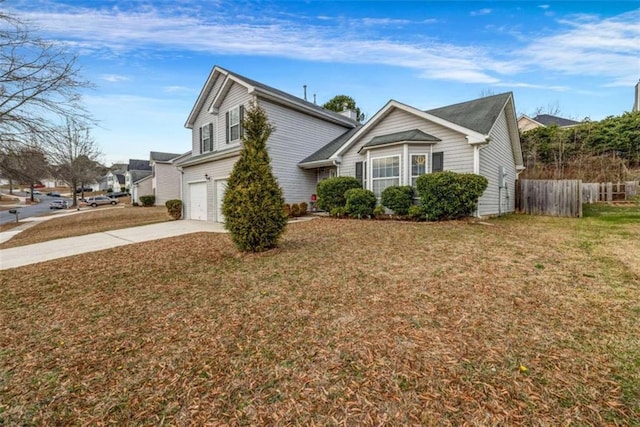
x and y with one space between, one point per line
141 187
301 128
636 100
309 144
401 142
526 123
165 183
53 183
136 169
115 180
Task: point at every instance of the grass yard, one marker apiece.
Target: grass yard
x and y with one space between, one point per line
527 321
97 220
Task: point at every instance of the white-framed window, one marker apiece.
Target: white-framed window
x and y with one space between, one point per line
385 172
234 119
206 138
418 167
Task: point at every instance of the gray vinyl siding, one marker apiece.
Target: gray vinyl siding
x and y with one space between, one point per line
296 136
166 183
204 117
220 169
498 153
143 188
237 95
458 154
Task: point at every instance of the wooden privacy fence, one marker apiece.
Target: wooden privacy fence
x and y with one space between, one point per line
565 197
608 191
549 197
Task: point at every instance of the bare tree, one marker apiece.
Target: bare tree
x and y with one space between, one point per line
75 154
552 109
39 82
26 165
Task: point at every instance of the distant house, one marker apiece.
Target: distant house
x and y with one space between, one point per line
636 100
136 169
141 187
526 123
165 182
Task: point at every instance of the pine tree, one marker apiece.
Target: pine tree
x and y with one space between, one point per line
253 205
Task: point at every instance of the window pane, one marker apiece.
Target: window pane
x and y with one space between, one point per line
418 165
234 132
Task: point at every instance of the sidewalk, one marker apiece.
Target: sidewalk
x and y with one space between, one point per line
60 248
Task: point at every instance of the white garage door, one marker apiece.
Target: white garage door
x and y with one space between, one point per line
198 201
221 187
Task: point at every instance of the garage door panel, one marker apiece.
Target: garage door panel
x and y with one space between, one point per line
198 201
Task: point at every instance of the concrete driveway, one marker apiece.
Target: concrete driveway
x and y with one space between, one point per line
60 248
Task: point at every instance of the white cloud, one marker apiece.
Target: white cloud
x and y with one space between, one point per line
584 46
480 12
544 6
114 78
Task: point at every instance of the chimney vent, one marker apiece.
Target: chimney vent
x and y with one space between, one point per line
305 92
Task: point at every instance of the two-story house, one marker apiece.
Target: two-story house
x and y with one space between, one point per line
301 128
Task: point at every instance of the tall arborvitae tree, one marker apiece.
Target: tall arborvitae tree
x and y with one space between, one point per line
253 205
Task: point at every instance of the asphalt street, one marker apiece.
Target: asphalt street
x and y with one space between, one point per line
26 211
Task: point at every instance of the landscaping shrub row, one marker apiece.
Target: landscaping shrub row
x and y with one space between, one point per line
296 210
442 196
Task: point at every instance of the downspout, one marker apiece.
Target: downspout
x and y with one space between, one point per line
181 188
476 167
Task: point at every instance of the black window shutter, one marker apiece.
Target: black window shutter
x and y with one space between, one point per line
437 162
210 136
227 126
241 120
201 148
359 171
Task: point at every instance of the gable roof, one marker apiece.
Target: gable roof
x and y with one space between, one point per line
138 175
465 117
549 120
478 114
162 157
325 152
413 135
263 90
138 165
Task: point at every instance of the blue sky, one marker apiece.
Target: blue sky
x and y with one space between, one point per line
149 59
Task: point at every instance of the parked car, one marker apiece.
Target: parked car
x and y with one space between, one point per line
38 186
117 194
100 200
59 204
35 192
53 194
85 189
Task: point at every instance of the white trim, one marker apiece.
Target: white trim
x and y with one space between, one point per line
368 170
392 144
387 157
229 126
471 135
405 160
410 166
211 143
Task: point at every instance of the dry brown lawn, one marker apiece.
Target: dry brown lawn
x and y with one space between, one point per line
96 220
527 321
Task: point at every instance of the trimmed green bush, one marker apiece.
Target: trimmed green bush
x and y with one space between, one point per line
415 213
148 200
398 198
360 202
378 212
331 192
295 210
338 212
304 208
109 190
253 205
449 195
287 210
174 208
